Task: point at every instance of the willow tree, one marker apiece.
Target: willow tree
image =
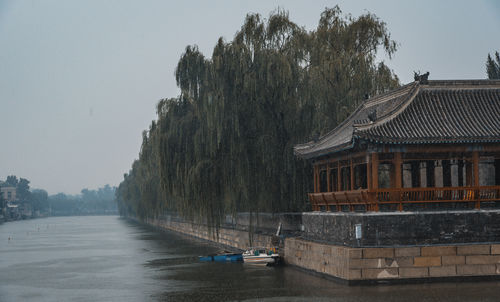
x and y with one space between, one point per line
225 144
341 68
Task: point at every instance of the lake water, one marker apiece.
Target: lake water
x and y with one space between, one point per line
105 258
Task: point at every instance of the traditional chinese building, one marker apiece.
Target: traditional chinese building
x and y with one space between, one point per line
428 142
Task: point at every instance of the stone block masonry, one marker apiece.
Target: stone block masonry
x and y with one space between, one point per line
403 228
383 264
230 237
392 246
242 231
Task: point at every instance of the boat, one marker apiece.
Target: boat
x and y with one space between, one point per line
260 255
223 256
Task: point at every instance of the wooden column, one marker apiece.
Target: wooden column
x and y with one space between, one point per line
397 178
339 177
352 175
374 170
315 178
369 173
475 163
397 170
497 172
328 186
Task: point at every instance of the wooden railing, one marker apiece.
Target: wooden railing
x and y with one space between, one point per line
326 201
372 200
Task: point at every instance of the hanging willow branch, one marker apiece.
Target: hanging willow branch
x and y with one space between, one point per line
225 144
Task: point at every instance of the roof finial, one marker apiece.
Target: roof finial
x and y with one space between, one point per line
421 78
315 136
372 116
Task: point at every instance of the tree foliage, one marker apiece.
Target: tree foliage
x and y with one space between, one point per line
23 189
12 180
40 200
226 143
3 203
493 66
100 201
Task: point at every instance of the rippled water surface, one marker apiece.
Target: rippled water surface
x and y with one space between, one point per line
105 258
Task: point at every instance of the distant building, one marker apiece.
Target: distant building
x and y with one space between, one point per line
8 192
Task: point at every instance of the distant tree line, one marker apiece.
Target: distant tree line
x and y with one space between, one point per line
100 201
225 144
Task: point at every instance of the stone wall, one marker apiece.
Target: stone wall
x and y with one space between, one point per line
265 223
239 239
356 265
392 247
403 228
322 258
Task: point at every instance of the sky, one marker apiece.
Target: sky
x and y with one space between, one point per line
80 80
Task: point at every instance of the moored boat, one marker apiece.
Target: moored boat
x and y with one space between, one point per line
266 256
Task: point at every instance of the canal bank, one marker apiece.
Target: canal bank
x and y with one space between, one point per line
242 231
104 258
357 248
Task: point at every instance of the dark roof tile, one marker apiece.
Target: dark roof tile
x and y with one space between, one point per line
438 112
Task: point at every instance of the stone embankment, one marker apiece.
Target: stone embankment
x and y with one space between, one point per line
422 263
241 232
369 247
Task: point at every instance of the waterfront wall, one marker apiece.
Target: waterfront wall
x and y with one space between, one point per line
398 245
380 229
390 247
229 237
361 265
242 231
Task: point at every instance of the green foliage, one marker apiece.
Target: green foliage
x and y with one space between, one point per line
23 189
40 200
12 180
21 185
226 143
3 203
100 201
493 66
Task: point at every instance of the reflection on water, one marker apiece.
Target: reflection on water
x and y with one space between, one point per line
105 258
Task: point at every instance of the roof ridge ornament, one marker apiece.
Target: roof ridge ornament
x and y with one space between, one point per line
372 116
315 136
421 78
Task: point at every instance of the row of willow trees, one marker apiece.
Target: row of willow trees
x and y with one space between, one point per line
225 144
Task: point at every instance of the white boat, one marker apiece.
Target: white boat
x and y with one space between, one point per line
260 255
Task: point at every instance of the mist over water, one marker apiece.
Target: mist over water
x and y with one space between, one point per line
105 258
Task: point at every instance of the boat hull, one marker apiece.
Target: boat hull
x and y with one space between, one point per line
260 259
228 258
222 258
261 256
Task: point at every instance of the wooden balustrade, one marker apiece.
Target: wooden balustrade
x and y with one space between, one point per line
371 200
342 198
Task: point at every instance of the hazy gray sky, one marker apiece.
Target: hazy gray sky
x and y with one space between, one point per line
79 80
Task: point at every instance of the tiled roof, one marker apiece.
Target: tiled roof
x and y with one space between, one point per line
435 112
